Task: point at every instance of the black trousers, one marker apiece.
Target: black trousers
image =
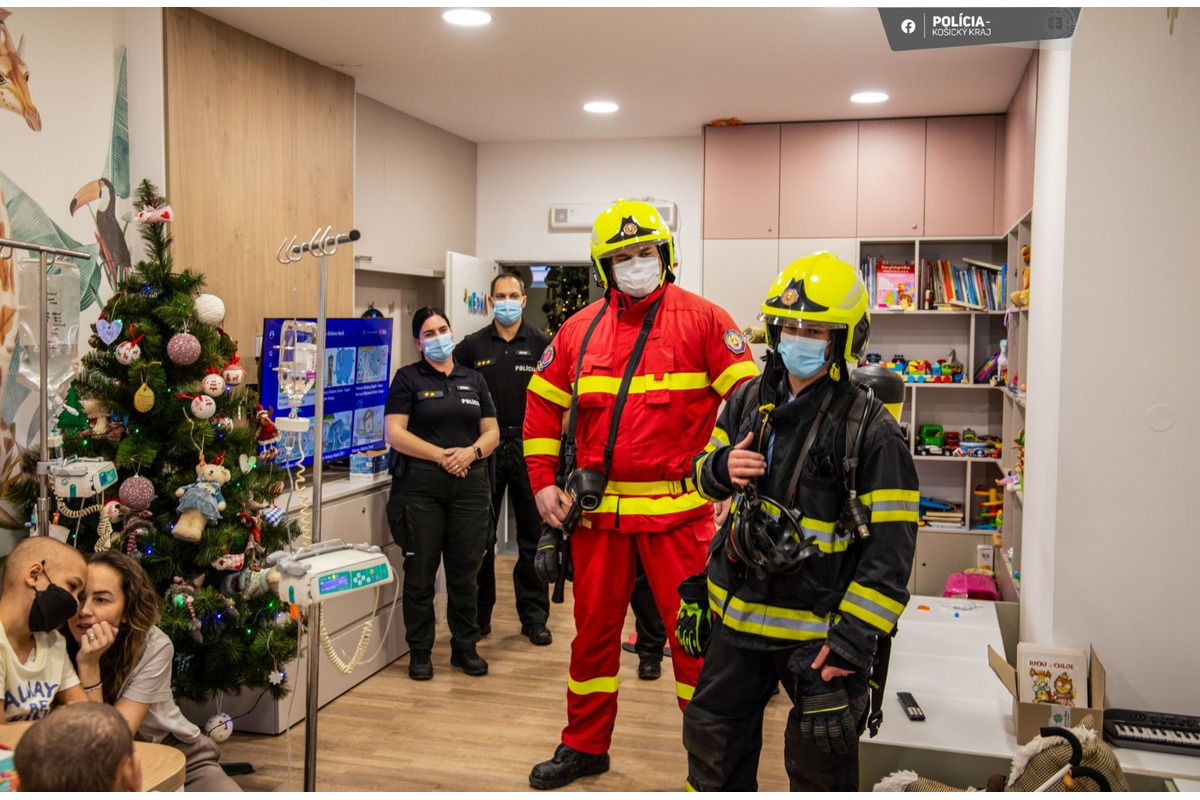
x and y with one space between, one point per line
651 633
445 520
533 596
722 726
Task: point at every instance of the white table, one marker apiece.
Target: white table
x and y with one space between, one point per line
940 656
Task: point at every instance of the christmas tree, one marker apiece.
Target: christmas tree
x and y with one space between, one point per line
193 502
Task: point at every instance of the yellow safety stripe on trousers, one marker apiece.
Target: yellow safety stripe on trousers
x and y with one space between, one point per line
759 619
871 607
893 505
544 388
732 374
649 506
640 384
542 447
684 692
649 488
593 686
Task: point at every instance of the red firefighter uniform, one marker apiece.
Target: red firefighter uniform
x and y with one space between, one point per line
694 357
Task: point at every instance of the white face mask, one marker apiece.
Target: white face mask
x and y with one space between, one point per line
638 277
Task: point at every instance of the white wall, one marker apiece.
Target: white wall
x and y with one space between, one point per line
1127 545
518 182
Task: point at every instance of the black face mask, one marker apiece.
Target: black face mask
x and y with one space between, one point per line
52 607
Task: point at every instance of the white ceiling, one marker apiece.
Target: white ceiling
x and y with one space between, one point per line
526 75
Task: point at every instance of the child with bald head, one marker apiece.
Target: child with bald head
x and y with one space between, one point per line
82 748
43 581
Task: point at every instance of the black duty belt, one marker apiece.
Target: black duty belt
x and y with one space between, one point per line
511 432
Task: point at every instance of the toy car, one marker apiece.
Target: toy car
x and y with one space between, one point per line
931 435
952 439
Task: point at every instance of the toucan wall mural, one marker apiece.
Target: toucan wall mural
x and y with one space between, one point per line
64 181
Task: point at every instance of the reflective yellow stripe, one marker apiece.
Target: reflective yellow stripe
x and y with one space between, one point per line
893 505
720 436
759 619
542 447
593 686
647 488
687 787
683 691
871 607
734 373
650 506
544 388
640 384
697 469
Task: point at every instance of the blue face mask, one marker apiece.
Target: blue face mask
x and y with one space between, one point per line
439 348
803 357
508 311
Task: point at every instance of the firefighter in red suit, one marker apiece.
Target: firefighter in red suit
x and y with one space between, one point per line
693 357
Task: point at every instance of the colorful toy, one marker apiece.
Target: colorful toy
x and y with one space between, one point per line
201 502
1020 298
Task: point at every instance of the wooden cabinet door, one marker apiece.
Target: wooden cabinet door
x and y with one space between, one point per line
891 177
741 182
960 176
818 180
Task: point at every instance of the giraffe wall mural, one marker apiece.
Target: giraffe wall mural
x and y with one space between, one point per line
64 181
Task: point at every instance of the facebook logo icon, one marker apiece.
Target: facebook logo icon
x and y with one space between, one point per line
908 26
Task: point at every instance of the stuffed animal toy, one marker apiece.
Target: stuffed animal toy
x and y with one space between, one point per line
1060 760
1021 298
201 502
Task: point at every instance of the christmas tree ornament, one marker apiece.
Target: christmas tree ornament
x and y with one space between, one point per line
135 527
201 502
97 414
128 353
230 561
136 493
223 423
183 349
108 330
210 309
143 399
219 727
72 419
247 462
277 678
151 215
183 594
268 437
213 384
234 373
272 515
203 406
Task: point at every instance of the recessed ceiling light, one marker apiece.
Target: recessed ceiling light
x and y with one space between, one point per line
600 107
868 97
467 16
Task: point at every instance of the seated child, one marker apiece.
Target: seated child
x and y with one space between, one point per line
121 607
43 580
85 747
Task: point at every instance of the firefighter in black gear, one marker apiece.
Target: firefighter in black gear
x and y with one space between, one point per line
809 571
506 353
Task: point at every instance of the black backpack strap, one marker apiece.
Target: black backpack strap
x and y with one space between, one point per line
877 681
567 460
789 496
858 418
635 358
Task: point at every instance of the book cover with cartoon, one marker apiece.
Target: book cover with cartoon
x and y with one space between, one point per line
1051 674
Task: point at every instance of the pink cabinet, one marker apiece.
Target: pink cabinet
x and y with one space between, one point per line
741 182
818 179
960 176
891 177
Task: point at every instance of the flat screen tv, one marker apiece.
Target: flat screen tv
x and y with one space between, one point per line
357 370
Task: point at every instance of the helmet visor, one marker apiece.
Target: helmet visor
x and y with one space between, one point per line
795 325
643 249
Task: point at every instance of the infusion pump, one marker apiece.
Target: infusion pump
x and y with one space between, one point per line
315 573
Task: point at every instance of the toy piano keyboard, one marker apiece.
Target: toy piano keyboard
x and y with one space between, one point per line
329 569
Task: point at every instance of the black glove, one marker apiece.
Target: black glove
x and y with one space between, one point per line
825 715
547 561
693 623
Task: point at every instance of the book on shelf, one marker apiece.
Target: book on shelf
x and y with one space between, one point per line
984 264
977 286
895 286
1052 674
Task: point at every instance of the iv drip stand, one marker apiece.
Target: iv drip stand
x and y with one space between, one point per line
322 245
43 503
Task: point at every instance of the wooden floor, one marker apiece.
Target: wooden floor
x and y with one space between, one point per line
458 733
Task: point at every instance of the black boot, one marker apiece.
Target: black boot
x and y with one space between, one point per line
649 668
567 765
420 668
469 661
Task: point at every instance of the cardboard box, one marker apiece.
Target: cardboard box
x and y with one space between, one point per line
369 463
1030 718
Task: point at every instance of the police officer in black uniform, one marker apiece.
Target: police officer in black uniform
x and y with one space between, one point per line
506 353
440 417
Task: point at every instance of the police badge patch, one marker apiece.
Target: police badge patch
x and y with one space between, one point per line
735 342
547 357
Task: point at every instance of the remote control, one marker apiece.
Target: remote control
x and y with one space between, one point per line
910 707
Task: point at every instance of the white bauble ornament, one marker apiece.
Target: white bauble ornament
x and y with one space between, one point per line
128 352
183 349
223 423
233 374
213 385
219 727
210 309
203 406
